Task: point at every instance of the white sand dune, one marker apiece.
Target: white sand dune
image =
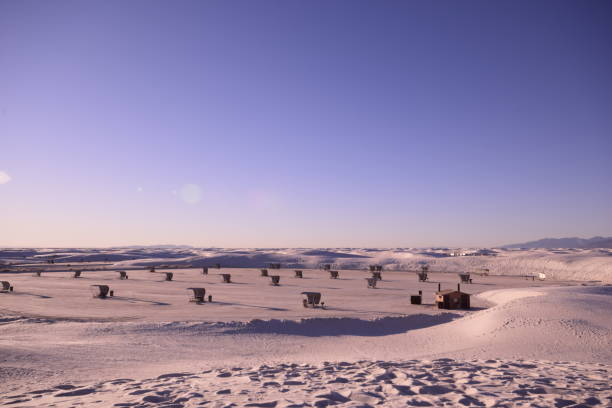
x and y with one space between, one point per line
559 264
570 264
526 343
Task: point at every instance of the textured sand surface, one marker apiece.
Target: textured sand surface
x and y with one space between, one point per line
525 342
441 382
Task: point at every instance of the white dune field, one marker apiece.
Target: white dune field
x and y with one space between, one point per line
524 343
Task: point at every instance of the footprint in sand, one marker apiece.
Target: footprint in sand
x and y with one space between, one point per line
75 393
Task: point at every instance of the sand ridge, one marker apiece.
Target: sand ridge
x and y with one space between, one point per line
556 264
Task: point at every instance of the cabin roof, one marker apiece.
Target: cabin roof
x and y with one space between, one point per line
449 291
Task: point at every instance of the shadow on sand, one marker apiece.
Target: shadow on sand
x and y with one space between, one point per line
276 309
135 300
32 294
340 326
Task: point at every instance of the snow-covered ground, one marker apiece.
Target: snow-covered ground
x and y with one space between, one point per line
525 342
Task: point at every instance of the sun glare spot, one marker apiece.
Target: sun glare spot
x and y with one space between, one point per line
190 193
4 177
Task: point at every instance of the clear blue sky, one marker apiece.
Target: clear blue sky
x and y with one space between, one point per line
304 123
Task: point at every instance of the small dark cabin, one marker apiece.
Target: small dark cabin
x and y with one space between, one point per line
452 299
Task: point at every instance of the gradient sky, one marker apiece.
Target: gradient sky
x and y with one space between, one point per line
304 123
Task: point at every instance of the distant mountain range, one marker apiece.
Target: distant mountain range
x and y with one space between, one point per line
595 242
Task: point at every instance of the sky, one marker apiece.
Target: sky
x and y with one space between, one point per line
304 123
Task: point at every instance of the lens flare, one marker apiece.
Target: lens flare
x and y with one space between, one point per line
190 193
4 177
